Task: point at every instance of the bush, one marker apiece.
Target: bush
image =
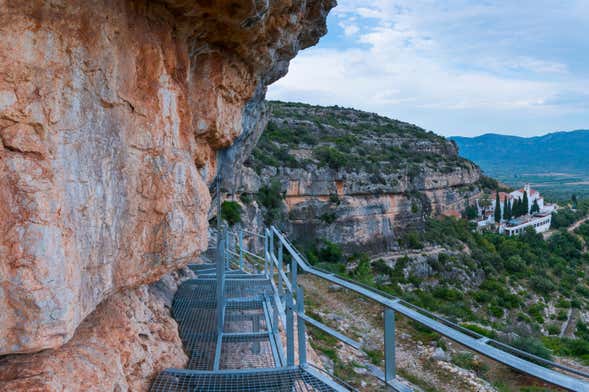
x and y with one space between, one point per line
553 329
330 253
411 240
246 198
480 330
495 310
577 348
231 212
328 217
329 156
542 284
532 346
270 197
469 361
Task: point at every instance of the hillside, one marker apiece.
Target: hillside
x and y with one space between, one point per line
355 178
367 188
547 161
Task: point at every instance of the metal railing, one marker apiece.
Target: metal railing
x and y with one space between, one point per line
290 299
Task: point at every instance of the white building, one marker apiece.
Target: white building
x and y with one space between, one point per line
533 195
540 222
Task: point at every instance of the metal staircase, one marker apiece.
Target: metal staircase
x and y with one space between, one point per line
230 320
243 323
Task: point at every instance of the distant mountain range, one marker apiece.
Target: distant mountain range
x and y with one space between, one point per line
554 152
556 161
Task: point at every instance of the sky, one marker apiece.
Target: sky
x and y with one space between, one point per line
455 67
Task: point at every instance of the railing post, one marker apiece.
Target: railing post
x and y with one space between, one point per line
301 327
289 332
389 345
280 288
241 249
221 283
227 247
272 255
293 272
266 251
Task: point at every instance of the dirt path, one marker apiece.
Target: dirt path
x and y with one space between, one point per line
568 328
570 229
577 224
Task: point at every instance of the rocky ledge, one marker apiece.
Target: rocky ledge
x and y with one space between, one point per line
354 178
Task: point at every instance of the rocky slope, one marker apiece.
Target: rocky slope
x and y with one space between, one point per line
356 178
112 114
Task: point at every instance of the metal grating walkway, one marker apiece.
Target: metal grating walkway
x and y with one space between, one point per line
267 380
246 354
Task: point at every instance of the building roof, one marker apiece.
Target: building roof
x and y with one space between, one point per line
453 213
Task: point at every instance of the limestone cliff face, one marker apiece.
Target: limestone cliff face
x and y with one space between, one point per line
118 347
111 116
355 178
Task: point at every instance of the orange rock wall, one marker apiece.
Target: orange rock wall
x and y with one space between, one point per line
111 113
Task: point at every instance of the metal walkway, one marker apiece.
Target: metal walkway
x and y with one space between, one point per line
229 322
237 323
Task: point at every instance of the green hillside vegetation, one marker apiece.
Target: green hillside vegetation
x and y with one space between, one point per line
521 280
351 140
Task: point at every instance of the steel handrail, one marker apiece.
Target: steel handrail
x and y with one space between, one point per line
447 328
450 323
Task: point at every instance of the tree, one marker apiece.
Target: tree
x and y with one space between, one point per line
518 210
574 200
470 212
515 208
525 204
497 207
535 207
506 209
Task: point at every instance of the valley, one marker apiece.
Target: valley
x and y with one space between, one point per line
547 162
380 201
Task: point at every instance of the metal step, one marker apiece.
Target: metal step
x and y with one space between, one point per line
259 380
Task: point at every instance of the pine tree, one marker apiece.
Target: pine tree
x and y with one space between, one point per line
497 208
505 209
525 204
509 210
535 207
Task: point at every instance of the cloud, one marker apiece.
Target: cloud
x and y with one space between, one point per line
456 60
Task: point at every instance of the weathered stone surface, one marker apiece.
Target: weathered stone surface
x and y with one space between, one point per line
121 346
356 178
111 113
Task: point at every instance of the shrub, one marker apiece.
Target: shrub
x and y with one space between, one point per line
480 330
334 198
328 217
329 156
495 310
469 361
532 346
270 197
411 240
231 212
246 198
553 329
542 284
330 253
